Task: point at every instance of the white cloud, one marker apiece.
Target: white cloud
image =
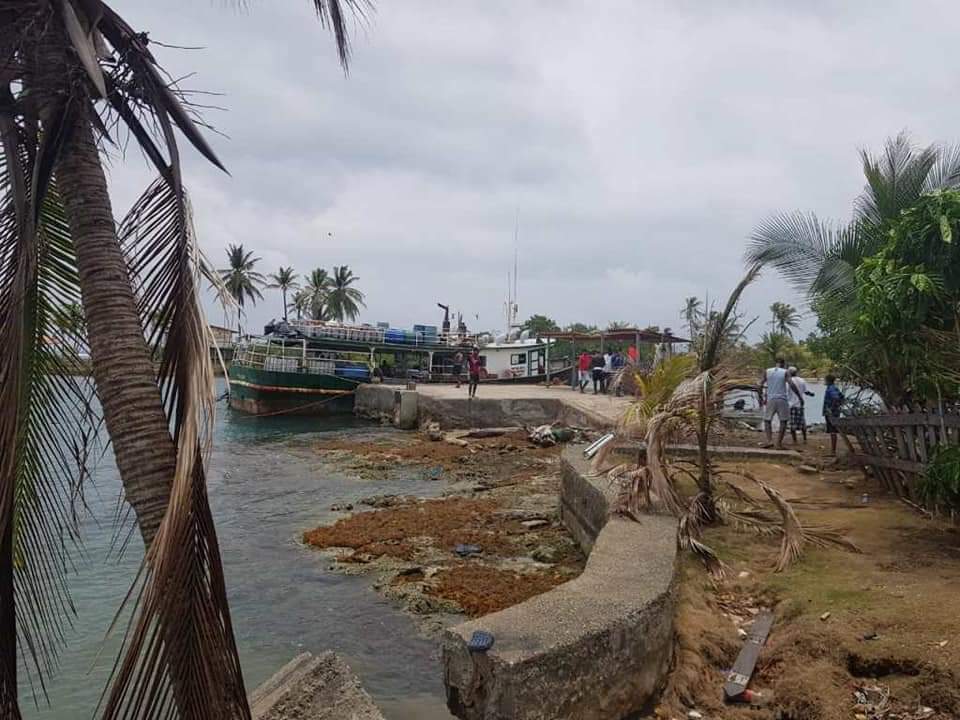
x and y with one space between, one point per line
640 142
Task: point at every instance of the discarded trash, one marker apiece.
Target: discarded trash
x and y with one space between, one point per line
480 641
695 715
534 524
865 498
543 436
743 574
825 616
807 469
595 446
751 697
942 643
871 636
741 633
739 677
467 550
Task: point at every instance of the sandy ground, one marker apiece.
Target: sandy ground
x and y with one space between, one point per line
884 623
501 497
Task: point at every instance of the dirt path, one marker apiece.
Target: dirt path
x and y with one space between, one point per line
881 626
492 541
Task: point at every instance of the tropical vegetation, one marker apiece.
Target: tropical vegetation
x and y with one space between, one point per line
784 318
240 280
343 301
284 280
681 398
885 285
75 78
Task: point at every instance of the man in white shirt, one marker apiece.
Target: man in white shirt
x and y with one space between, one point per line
798 420
777 381
607 369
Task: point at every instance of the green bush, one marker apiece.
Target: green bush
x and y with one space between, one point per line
941 483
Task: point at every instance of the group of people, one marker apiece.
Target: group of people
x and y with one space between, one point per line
598 368
785 393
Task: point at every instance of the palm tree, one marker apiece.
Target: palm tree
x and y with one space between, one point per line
301 303
692 314
284 280
318 292
819 257
344 302
784 318
241 280
58 239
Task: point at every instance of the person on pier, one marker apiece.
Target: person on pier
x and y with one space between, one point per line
473 367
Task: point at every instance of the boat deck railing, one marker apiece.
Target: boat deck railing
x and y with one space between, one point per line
379 336
296 356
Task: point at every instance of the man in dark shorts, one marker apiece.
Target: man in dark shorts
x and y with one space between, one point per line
473 367
832 401
596 367
457 367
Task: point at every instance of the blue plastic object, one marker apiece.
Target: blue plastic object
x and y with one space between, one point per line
467 550
480 641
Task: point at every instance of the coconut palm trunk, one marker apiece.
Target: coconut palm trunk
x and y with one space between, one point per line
122 367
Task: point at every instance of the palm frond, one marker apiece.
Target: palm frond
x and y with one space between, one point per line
895 179
715 331
46 431
333 14
179 656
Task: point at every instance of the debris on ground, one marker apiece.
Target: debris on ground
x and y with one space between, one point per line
493 540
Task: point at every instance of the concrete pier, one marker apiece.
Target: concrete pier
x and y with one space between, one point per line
494 406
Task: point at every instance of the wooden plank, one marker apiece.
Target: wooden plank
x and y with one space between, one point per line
907 466
895 420
739 677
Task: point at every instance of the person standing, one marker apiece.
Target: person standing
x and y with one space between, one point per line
458 367
473 367
596 370
798 420
607 370
583 366
832 402
777 381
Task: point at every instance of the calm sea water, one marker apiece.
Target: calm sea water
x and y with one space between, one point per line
266 487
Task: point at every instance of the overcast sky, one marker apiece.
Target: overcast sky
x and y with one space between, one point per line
639 142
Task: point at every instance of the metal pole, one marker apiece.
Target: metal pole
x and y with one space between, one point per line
575 368
546 361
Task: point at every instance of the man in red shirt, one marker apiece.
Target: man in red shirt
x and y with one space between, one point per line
473 366
584 367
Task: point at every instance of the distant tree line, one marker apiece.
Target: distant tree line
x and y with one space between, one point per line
323 295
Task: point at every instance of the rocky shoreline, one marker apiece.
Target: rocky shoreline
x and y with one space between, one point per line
492 538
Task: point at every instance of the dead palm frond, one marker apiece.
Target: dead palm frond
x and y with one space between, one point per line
689 538
795 535
180 641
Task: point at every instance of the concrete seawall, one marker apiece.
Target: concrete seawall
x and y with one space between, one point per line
594 648
309 687
497 406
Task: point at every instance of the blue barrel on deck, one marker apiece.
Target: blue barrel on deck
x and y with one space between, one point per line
359 373
393 335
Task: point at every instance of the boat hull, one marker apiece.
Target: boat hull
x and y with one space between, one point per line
267 392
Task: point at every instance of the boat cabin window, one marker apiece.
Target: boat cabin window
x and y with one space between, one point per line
518 359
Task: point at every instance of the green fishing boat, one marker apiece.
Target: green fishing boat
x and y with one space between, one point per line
276 375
